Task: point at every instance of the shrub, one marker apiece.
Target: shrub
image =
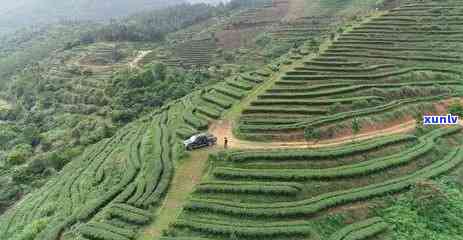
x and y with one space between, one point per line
360 104
263 39
456 108
361 230
101 234
276 188
311 133
30 231
19 154
237 231
335 108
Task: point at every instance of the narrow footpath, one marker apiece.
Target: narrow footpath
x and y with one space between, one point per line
187 175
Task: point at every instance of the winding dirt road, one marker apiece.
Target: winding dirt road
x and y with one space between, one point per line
138 58
223 128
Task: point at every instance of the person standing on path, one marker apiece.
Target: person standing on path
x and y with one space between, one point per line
225 142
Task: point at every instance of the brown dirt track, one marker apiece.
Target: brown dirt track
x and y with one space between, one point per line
223 128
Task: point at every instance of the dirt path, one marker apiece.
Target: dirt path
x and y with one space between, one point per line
138 58
224 128
187 175
190 170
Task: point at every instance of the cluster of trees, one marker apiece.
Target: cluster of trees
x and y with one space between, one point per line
432 209
29 46
16 14
154 25
151 87
234 4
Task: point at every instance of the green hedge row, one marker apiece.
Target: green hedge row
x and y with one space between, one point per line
149 150
355 39
240 84
284 110
361 230
392 49
216 100
343 69
348 89
313 94
184 132
285 188
263 73
100 234
416 32
396 57
194 121
267 120
337 117
394 18
337 50
128 216
325 201
168 167
209 111
152 150
425 146
259 231
313 102
299 89
250 78
110 228
367 41
325 153
389 23
183 238
94 205
422 15
368 77
133 209
332 64
231 92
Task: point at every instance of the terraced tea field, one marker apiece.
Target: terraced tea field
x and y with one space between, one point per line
113 188
78 78
385 71
195 52
303 28
261 14
283 194
377 71
211 102
382 71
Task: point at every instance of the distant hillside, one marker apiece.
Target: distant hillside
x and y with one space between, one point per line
213 2
21 13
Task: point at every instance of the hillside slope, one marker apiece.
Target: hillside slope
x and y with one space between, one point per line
394 63
17 14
